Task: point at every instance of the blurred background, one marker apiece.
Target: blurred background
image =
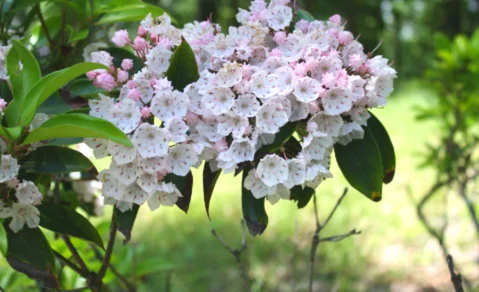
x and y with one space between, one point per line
431 117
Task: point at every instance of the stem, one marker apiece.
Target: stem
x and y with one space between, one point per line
75 253
109 249
44 26
456 278
71 265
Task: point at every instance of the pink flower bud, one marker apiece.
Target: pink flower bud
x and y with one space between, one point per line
336 19
122 76
276 53
105 81
345 37
131 84
192 119
140 44
3 104
328 80
92 75
142 31
145 112
134 94
280 37
154 38
121 38
166 43
127 64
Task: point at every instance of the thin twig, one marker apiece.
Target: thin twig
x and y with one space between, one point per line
109 249
340 237
122 278
456 278
44 26
71 265
345 192
74 253
237 253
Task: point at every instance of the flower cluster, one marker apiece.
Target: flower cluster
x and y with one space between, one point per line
267 73
22 210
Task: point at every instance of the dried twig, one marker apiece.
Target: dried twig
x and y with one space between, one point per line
316 237
237 253
456 278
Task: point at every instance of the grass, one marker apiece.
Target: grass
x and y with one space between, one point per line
393 252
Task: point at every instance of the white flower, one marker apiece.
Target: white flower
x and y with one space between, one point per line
356 85
231 123
337 101
272 170
111 187
296 171
221 47
307 89
280 17
318 147
230 75
272 63
299 110
126 174
177 130
166 194
28 193
282 192
209 129
24 213
5 212
219 100
284 80
158 61
125 115
147 181
246 106
262 84
99 146
270 118
155 164
182 158
121 154
257 187
135 194
150 141
8 168
169 105
327 125
242 150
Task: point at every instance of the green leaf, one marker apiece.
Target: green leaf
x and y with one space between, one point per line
54 105
77 126
183 69
360 162
302 196
254 212
125 221
386 147
56 159
30 253
127 13
184 184
22 79
209 181
304 15
3 240
84 88
21 112
64 220
284 134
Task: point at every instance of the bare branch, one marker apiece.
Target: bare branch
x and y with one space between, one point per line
456 278
345 192
71 265
109 248
237 253
340 237
74 253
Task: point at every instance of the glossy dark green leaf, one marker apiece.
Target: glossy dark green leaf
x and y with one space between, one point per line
304 15
284 134
254 212
30 253
209 182
56 159
84 88
3 239
302 196
360 162
64 220
54 105
25 77
184 184
125 221
386 147
77 126
127 13
183 68
21 112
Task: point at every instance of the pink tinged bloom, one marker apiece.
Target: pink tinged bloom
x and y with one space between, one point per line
342 78
192 119
154 38
166 43
145 112
105 80
92 75
163 85
121 38
122 76
303 25
131 84
280 37
276 53
127 64
140 44
355 61
336 19
221 145
329 80
142 31
345 37
134 94
3 104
